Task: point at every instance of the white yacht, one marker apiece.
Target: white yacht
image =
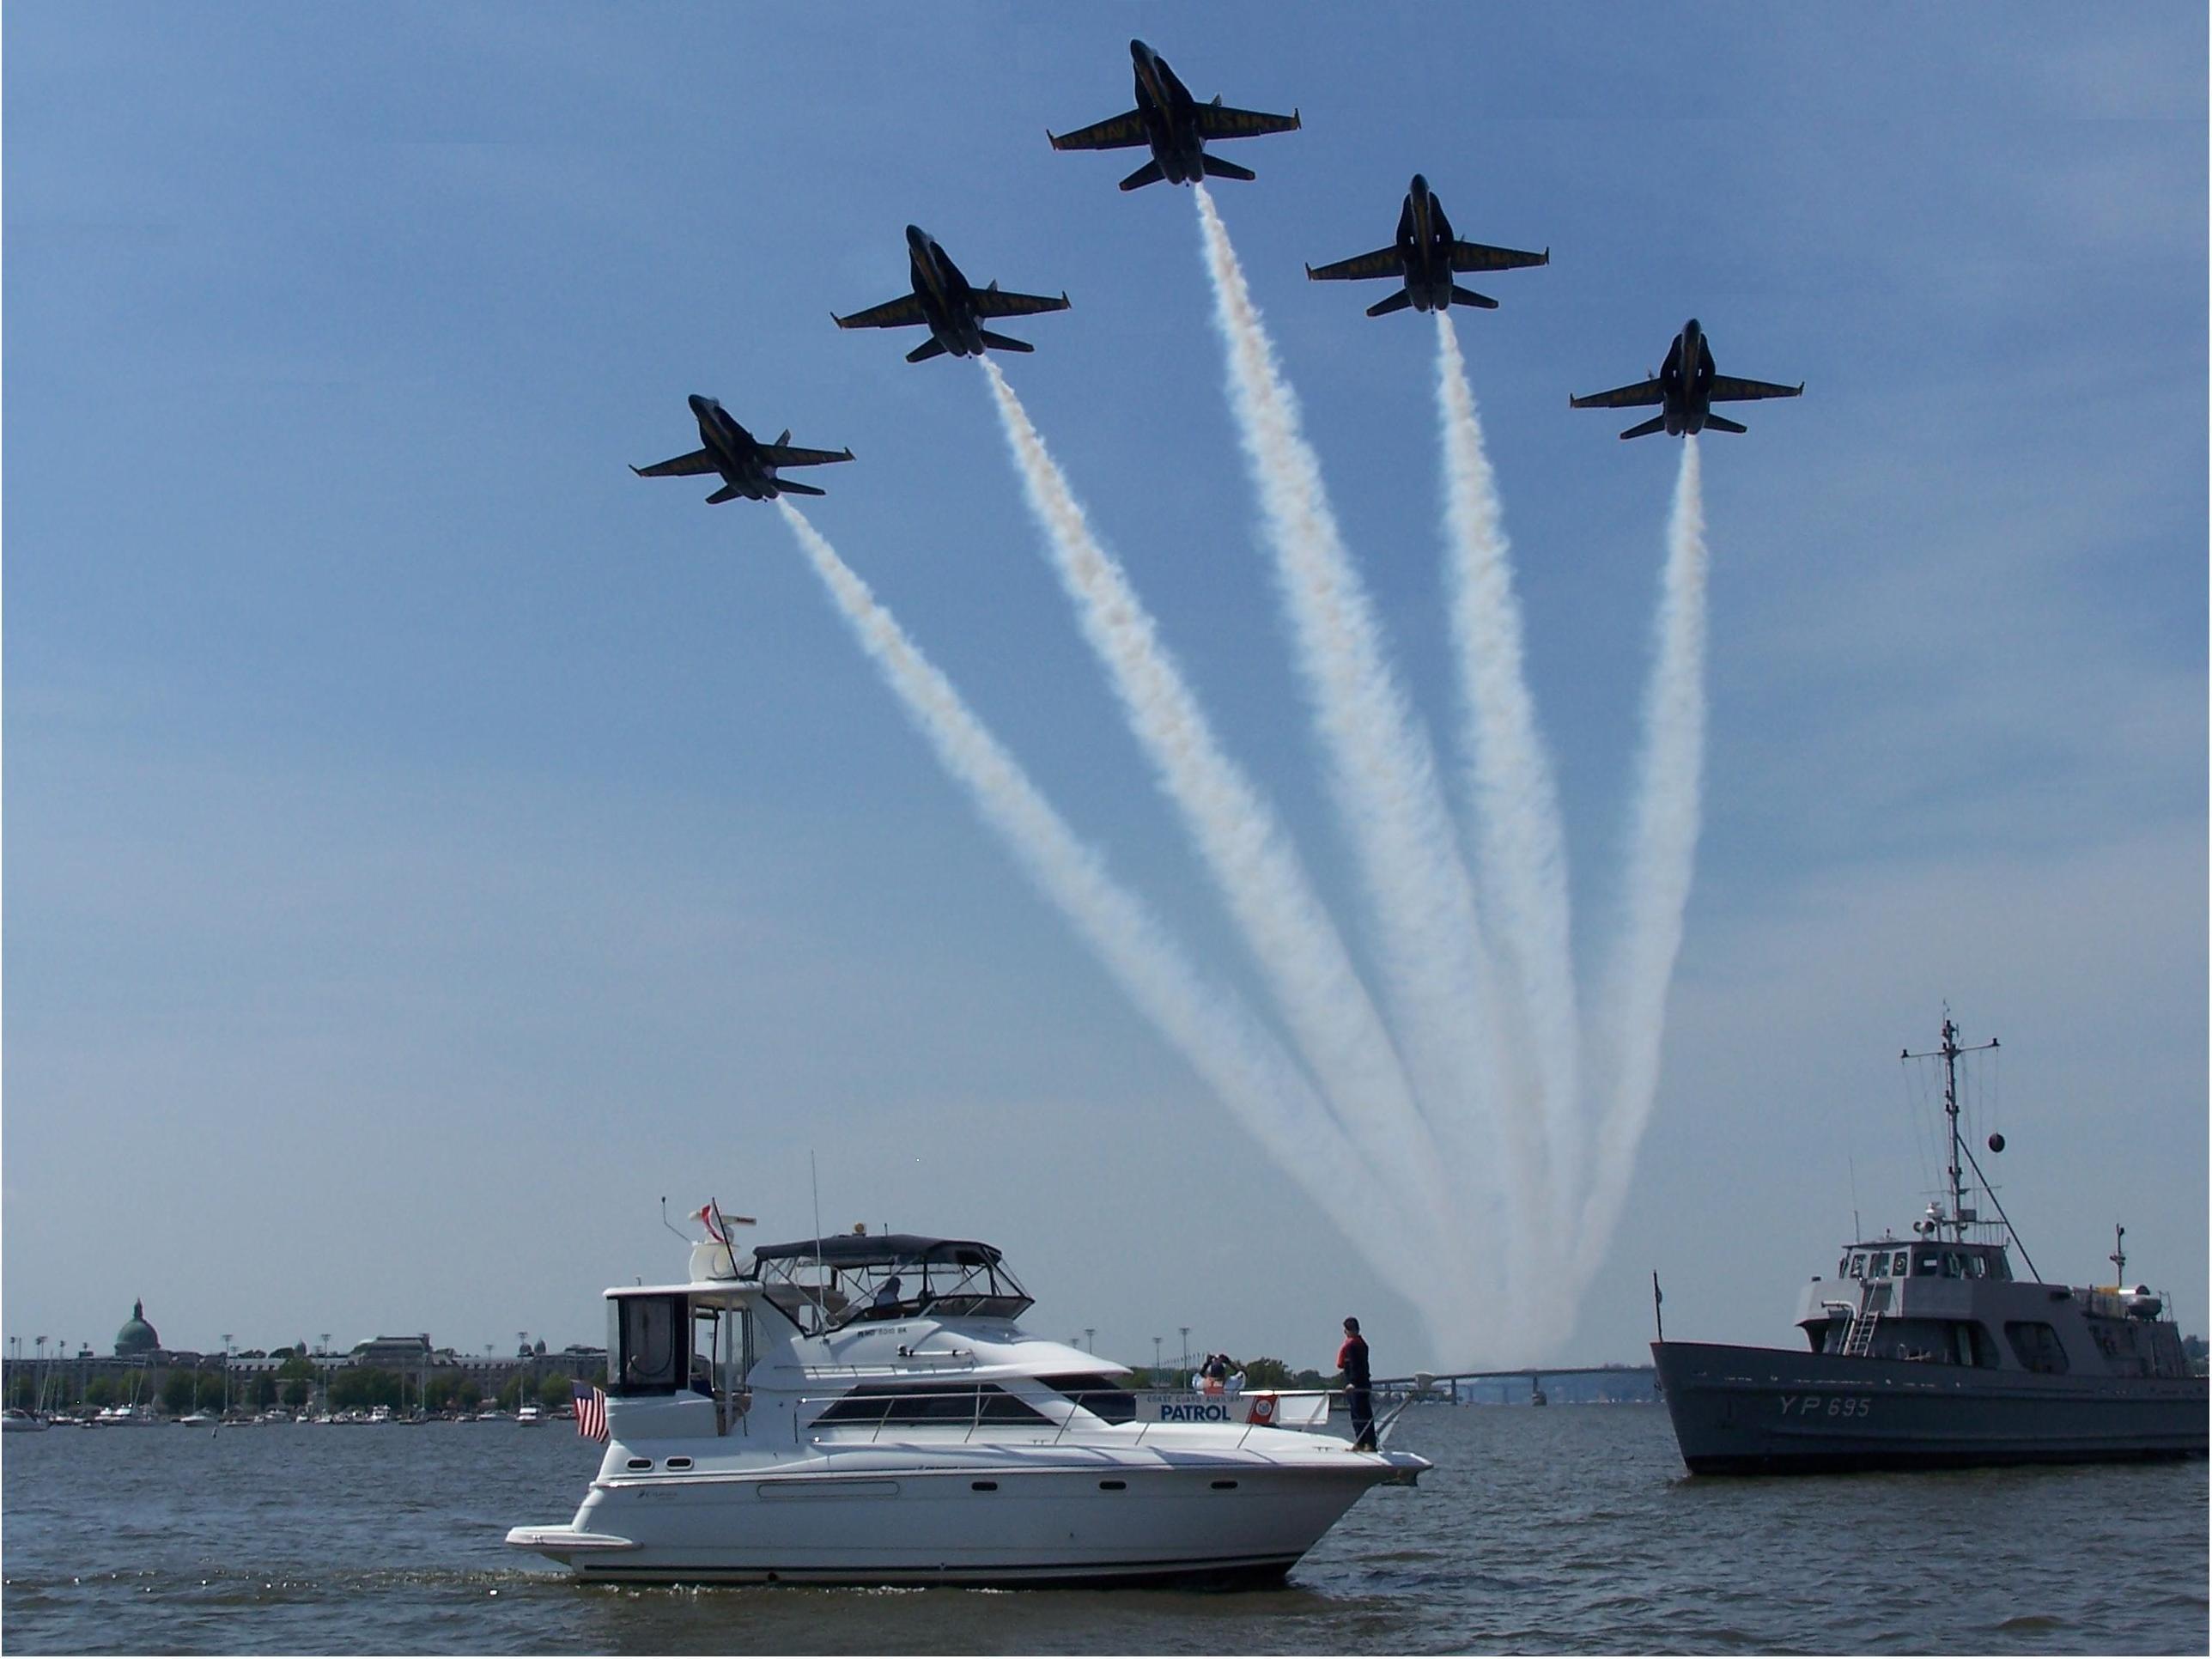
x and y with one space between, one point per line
859 1409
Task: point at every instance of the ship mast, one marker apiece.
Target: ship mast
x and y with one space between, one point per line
1949 1052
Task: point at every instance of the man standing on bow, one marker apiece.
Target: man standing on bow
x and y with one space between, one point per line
1358 1386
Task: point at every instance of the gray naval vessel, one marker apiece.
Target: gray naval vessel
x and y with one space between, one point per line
1927 1352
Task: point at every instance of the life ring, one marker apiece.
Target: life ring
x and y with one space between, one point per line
1263 1410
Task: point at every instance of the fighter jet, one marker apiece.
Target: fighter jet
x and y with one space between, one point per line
747 465
953 311
1687 388
1427 256
1176 126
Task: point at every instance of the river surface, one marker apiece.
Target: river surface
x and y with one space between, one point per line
1569 1529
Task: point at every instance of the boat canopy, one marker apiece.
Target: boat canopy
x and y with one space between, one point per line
861 1250
832 1281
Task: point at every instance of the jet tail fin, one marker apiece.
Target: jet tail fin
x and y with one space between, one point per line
727 493
1215 168
1397 302
787 487
1656 423
1149 173
1467 296
1716 423
784 440
1005 342
930 348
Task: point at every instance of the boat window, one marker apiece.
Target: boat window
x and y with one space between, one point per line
926 1402
1977 1267
1100 1395
1897 1262
1953 1267
1843 1268
1927 1265
1858 1264
650 1359
2037 1346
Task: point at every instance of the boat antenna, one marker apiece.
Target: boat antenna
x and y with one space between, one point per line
1858 1232
814 1183
2118 1259
666 1223
1950 1052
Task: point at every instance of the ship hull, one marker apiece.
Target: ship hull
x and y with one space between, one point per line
1771 1411
928 1520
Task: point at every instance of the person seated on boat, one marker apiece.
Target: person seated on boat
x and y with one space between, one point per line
1213 1374
886 1305
703 1374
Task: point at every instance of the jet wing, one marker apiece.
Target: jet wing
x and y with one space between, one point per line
786 455
1219 121
1626 397
1726 389
683 466
1478 256
1383 262
1122 132
997 302
905 312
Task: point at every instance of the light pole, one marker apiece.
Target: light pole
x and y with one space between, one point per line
1156 1362
226 1373
1090 1339
1185 1329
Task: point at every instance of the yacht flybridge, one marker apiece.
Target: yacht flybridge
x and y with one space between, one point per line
858 1409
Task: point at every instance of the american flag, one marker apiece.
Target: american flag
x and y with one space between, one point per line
591 1411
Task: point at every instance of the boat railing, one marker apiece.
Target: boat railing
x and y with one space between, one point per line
1264 1409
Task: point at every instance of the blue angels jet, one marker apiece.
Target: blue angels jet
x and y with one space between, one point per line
1427 256
747 465
1686 388
953 311
1175 125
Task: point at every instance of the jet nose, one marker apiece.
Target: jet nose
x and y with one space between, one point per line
1139 51
1691 327
699 406
916 238
1420 185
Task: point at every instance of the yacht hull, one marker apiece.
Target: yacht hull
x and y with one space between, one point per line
1773 1410
986 1524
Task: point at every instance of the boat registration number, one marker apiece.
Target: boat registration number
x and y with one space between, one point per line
1827 1405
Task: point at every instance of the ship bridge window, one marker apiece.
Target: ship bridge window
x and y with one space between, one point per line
929 1403
2037 1346
1858 1264
1927 1264
1897 1262
1103 1396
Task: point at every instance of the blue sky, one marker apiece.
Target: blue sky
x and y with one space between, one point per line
427 844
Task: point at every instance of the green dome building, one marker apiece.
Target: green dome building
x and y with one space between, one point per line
137 1339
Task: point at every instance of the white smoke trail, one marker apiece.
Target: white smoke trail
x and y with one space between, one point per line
1662 849
1517 807
1234 1055
1383 774
1291 937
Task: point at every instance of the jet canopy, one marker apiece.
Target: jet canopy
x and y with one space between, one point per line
852 1277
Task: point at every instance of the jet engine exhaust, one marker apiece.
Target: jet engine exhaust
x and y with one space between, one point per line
1524 848
1383 775
1236 1057
1285 924
1661 851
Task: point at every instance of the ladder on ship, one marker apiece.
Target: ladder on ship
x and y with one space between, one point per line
1858 1339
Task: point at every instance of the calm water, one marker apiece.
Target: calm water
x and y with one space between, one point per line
1573 1528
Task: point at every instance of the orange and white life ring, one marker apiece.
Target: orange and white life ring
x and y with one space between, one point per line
1263 1410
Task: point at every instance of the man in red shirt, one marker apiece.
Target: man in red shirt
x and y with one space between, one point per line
1358 1391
